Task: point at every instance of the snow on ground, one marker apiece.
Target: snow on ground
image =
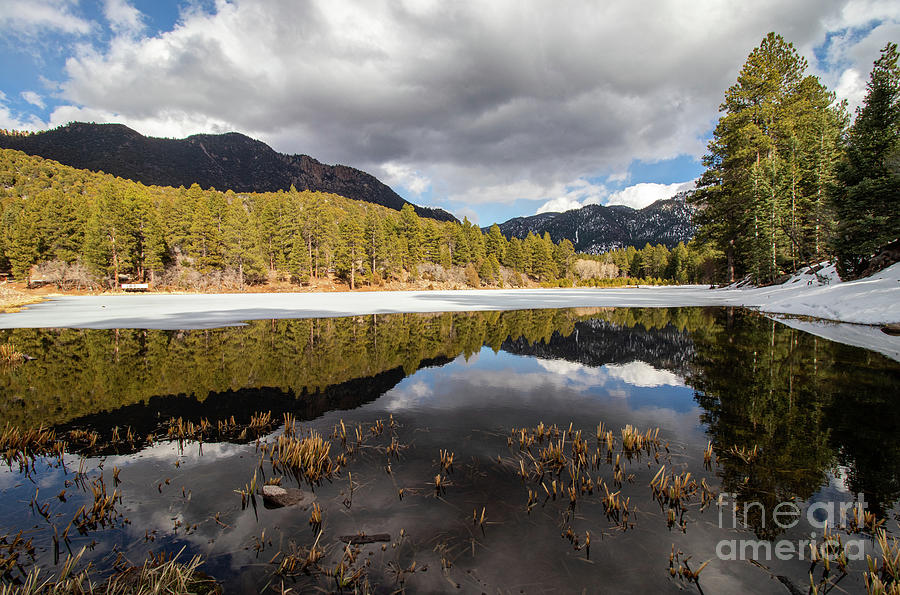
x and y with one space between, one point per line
874 300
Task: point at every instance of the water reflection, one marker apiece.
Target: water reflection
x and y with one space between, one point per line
821 415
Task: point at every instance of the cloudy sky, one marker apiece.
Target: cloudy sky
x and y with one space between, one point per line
488 109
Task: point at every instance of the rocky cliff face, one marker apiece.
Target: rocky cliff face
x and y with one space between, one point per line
223 161
595 228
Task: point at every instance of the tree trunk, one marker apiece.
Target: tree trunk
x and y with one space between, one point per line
773 199
309 249
729 257
115 257
352 270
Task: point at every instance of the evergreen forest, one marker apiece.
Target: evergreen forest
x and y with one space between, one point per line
789 182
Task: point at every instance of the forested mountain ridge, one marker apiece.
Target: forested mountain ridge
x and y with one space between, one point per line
75 227
230 161
594 229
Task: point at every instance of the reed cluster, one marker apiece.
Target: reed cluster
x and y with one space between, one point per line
157 575
9 355
13 548
680 568
306 458
883 576
22 446
102 511
226 429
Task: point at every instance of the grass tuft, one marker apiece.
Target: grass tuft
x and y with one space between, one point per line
9 355
156 576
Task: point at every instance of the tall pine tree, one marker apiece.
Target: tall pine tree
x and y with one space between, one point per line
866 197
758 193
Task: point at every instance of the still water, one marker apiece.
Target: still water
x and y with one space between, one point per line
791 418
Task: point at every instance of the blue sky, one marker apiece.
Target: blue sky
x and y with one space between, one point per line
488 110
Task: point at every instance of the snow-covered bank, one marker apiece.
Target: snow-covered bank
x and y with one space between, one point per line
875 300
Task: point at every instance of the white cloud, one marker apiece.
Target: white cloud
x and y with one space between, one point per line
638 373
398 174
11 121
124 19
469 97
172 124
480 103
408 395
558 205
467 213
33 17
852 87
640 195
855 43
33 98
576 195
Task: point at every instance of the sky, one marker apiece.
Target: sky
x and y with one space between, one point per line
490 110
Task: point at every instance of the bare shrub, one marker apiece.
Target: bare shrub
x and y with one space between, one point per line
593 269
472 277
431 271
64 275
190 279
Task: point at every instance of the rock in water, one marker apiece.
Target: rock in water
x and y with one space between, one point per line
277 497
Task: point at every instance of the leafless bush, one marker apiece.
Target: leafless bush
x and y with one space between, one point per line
64 275
190 279
592 269
472 277
431 271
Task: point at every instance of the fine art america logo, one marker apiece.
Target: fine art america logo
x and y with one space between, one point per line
823 516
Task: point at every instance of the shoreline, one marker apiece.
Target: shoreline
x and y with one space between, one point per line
849 313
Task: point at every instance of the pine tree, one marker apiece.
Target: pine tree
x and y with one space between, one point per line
867 196
564 257
154 245
375 241
543 266
431 240
351 254
475 240
241 246
20 225
61 226
462 254
513 256
495 243
750 191
486 271
110 243
411 231
678 264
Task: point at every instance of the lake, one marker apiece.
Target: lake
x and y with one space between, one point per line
715 425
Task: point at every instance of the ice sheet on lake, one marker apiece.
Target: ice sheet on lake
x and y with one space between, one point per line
874 300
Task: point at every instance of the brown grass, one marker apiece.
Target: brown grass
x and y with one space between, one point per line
156 575
9 355
13 300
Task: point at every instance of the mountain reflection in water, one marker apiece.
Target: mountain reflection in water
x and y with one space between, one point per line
821 414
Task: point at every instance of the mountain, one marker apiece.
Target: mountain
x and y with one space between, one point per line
596 342
224 161
596 228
